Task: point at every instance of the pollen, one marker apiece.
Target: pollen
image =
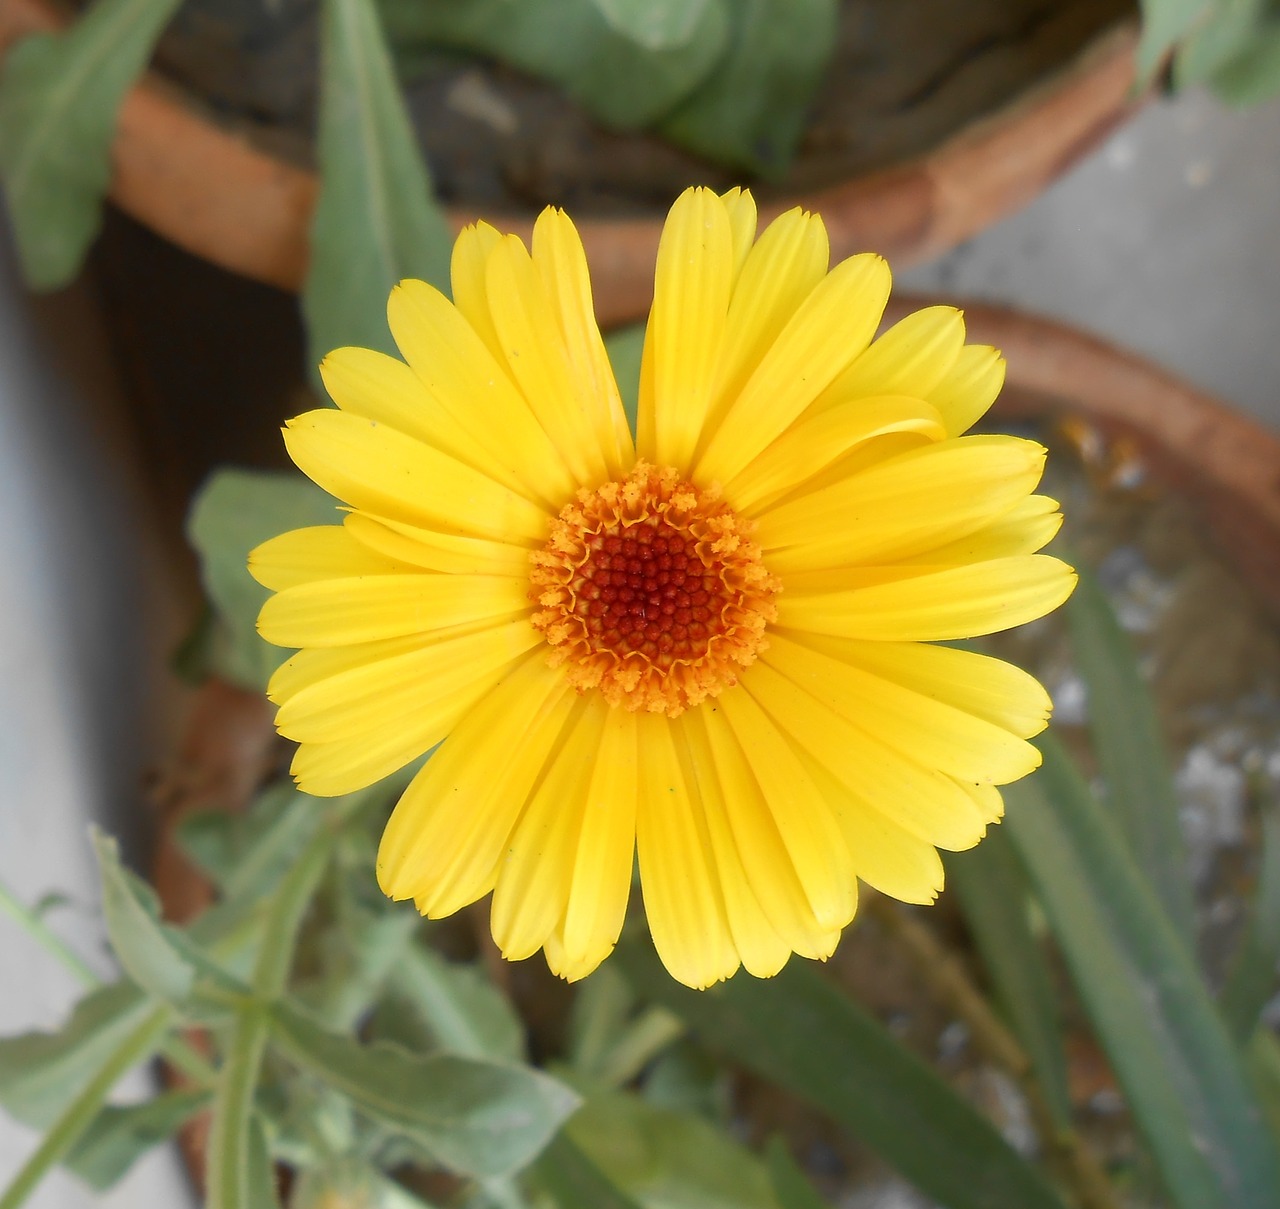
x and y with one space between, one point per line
651 591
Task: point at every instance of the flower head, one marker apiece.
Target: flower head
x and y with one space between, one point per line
710 645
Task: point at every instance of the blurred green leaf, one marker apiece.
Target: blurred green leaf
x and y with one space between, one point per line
479 1118
1253 75
1178 1067
42 1073
1132 757
233 512
134 1047
1252 980
992 889
59 95
618 80
141 943
376 220
575 1182
359 957
1263 1052
663 1159
800 1032
119 1136
463 1012
751 110
1164 24
1224 34
625 347
261 1172
791 1186
654 24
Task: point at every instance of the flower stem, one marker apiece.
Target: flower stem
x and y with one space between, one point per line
946 978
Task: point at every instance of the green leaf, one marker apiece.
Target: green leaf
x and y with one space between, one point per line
1253 976
462 1010
235 511
119 1136
1254 74
625 348
791 1186
654 24
261 1174
376 221
575 1182
42 1073
134 1047
991 886
478 1118
1131 753
1164 24
751 110
59 95
1224 35
360 956
141 943
232 1175
1175 1061
619 81
800 1032
662 1158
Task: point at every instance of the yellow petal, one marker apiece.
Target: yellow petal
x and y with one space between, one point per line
911 358
935 606
969 387
458 369
471 251
443 842
606 847
430 681
988 688
741 208
562 265
693 280
803 818
887 857
1027 527
329 770
765 902
319 552
383 389
558 392
915 501
920 800
779 273
815 442
306 668
937 735
341 612
682 895
411 546
380 470
536 868
830 327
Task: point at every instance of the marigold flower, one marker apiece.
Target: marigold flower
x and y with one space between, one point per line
709 645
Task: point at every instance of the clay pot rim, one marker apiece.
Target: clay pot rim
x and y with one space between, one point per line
213 193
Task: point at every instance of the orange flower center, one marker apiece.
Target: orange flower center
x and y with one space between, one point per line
651 592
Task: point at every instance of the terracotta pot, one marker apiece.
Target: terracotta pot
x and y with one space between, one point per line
216 195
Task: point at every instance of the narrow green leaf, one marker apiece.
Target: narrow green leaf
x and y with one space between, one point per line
59 95
461 1009
654 24
575 1182
618 80
233 512
139 940
42 1073
261 1174
1177 1064
119 1136
790 1185
479 1118
625 347
1131 753
231 1174
991 886
751 110
800 1032
135 1047
1253 976
376 221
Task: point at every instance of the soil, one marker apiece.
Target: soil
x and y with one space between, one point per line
905 75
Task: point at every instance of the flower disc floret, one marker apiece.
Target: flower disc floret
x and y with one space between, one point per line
652 592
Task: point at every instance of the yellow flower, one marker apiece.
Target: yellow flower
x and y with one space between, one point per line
709 645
